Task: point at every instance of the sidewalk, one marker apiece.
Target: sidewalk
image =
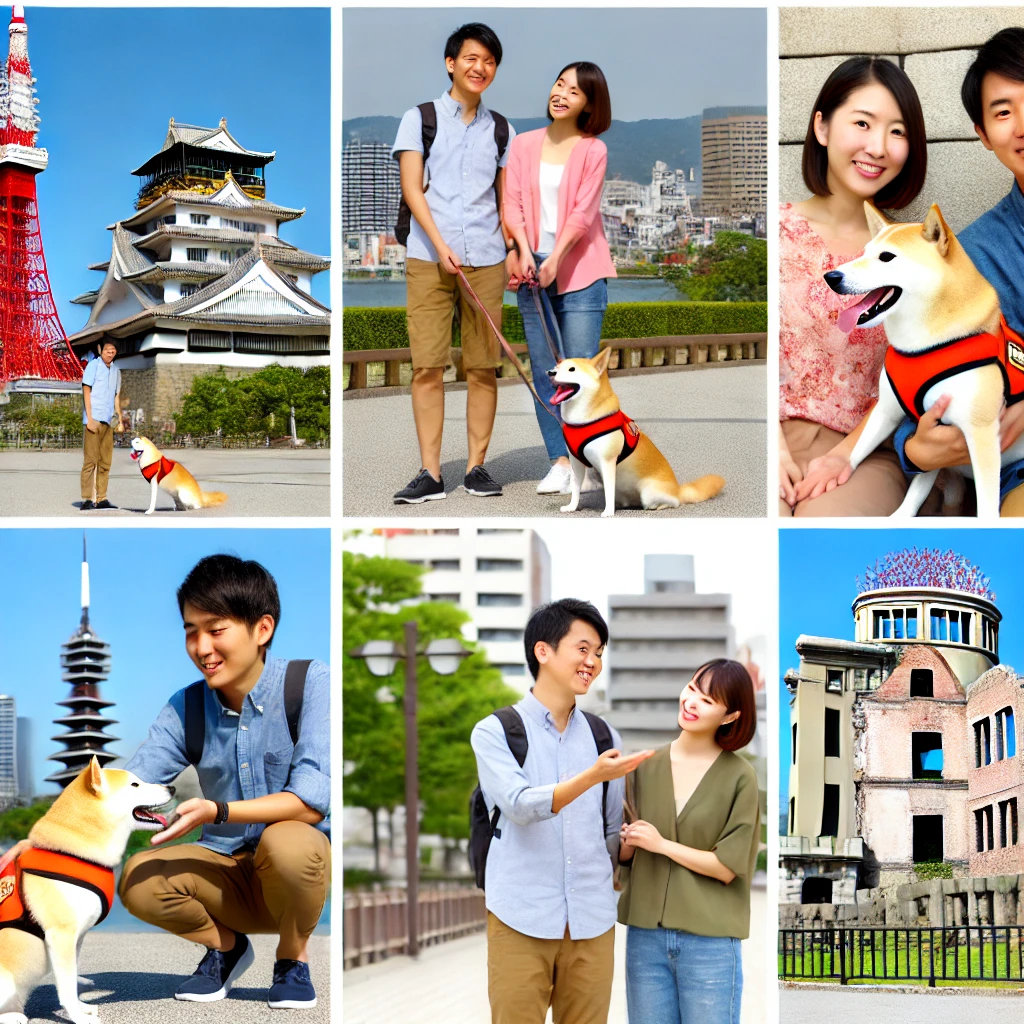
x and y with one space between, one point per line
448 983
841 1004
258 482
134 977
707 420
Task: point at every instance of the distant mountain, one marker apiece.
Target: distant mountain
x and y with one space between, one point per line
633 146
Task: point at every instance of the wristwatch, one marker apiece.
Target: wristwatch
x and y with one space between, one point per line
222 812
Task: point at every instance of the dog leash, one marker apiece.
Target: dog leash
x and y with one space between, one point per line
540 295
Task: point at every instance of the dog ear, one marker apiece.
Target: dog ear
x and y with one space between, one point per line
94 781
935 230
876 219
600 361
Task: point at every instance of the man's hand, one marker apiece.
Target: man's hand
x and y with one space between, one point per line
547 271
613 764
91 425
935 445
14 853
643 835
448 260
825 473
512 270
119 426
191 814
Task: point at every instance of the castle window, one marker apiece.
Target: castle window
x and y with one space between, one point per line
926 755
982 743
831 732
830 811
927 837
911 623
834 680
1007 822
1006 739
196 255
189 289
983 829
921 684
792 815
225 256
199 218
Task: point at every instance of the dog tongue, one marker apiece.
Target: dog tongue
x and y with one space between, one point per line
562 392
849 316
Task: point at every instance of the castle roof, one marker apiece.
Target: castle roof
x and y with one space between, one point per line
218 139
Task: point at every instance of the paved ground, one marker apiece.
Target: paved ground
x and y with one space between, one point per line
448 983
134 977
852 1005
257 483
704 421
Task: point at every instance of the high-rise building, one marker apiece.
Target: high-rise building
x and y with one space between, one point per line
656 640
26 772
497 575
8 752
734 162
371 189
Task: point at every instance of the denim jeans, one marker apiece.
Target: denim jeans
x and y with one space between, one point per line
673 977
579 316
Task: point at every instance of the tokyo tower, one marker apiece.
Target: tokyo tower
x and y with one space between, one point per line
32 340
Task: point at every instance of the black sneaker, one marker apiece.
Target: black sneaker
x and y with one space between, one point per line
86 506
292 988
104 504
423 488
479 482
216 973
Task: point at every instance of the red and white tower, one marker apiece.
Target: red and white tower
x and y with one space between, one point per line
32 340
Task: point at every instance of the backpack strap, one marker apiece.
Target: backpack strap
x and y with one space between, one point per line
603 738
195 721
515 737
294 685
501 133
428 131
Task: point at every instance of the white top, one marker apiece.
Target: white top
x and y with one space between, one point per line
550 179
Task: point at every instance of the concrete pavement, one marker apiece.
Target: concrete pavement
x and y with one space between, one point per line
448 983
849 1004
258 482
704 420
134 977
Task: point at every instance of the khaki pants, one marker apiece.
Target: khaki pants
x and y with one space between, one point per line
432 296
526 975
99 453
278 889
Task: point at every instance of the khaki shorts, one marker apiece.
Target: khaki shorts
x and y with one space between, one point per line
432 295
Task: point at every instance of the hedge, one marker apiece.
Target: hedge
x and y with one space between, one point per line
368 327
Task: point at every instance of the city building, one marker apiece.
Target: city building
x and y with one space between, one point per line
498 575
8 752
85 659
649 217
26 784
198 276
371 192
734 162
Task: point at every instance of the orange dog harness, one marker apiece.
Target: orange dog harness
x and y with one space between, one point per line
158 469
61 867
912 374
577 437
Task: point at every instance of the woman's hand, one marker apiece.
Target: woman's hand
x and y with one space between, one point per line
789 477
14 852
547 272
825 473
527 265
513 270
643 835
190 814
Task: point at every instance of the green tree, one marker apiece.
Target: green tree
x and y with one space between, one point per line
734 268
16 822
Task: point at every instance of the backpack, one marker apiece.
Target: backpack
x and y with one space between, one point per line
482 828
195 709
429 115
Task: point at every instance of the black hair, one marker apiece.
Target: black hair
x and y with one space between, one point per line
1003 54
551 622
232 588
480 33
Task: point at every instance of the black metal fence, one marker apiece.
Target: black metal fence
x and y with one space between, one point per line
13 438
953 954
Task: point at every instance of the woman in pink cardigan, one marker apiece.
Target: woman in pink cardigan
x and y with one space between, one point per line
552 208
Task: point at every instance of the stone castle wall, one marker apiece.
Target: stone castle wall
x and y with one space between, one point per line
158 390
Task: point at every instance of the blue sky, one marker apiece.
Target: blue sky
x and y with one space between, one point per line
134 574
817 586
659 62
108 81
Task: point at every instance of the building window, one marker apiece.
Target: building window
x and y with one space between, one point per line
834 681
444 564
921 683
499 600
860 678
792 815
926 755
982 743
927 837
816 890
831 733
253 228
196 255
199 218
830 811
499 565
874 679
882 628
225 256
911 623
450 598
983 829
1006 739
512 670
794 743
189 289
499 635
1007 822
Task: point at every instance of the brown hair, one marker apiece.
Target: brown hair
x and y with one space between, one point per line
853 74
591 81
728 682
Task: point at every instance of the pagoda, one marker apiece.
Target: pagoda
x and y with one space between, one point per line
85 659
198 275
34 354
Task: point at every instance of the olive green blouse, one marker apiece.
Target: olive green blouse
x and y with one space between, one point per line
722 815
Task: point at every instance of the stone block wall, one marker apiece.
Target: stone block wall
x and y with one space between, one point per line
935 46
158 389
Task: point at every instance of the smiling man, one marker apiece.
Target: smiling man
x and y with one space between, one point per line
551 903
256 729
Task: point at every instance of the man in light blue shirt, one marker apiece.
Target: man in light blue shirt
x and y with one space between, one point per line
101 417
455 225
550 897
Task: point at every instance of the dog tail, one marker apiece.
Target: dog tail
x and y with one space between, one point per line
701 489
211 498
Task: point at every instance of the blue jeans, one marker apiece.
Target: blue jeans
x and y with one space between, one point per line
579 316
673 977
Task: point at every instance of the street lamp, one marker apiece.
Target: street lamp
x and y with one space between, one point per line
381 657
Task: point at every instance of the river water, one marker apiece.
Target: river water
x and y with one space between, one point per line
392 293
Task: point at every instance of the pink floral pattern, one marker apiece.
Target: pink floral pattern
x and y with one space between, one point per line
825 376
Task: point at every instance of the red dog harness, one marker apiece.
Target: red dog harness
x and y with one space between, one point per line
577 437
48 864
158 469
912 374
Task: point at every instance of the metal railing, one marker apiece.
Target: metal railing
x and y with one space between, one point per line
375 923
13 438
922 955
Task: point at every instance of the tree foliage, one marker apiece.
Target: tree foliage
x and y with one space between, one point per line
16 822
259 403
734 268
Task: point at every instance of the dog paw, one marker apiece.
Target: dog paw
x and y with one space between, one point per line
568 508
608 513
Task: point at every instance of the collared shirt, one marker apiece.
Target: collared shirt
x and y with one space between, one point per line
461 169
248 754
546 870
105 382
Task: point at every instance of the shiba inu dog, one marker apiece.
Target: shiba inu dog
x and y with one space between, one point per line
64 884
597 433
946 337
173 477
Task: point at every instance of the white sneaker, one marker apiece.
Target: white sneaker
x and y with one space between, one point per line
557 481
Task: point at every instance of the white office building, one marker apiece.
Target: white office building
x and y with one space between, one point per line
8 752
23 744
